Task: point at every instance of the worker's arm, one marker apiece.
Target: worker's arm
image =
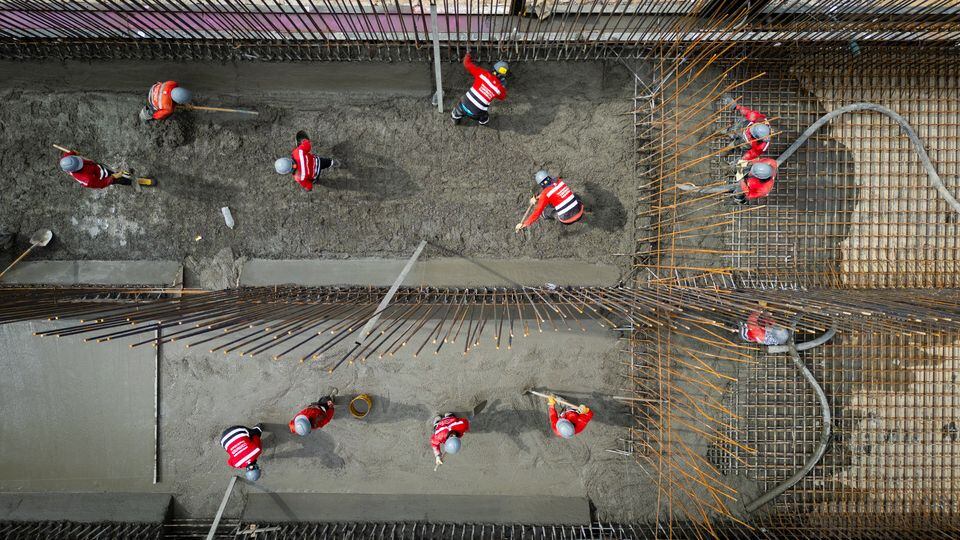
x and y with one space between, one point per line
553 415
750 114
538 210
160 114
435 444
305 146
472 68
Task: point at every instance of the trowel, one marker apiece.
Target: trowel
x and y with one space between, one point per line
40 238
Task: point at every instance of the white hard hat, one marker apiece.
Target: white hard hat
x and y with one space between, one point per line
252 473
283 165
565 428
301 424
761 171
452 444
180 95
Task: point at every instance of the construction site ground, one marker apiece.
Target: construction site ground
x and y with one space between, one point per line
408 174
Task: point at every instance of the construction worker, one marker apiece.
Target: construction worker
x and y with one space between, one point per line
162 100
761 328
757 181
243 449
755 130
563 204
304 166
486 88
571 421
313 416
90 173
447 432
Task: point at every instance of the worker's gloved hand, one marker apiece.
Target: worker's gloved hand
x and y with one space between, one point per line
438 461
583 409
518 227
551 401
533 200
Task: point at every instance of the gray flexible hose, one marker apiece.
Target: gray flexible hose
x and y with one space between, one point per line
824 410
914 138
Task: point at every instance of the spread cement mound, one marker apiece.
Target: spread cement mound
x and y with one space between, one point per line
408 173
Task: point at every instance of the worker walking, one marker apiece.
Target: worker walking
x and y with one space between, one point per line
569 422
447 432
304 166
556 200
313 416
754 128
243 449
90 173
756 178
162 100
486 88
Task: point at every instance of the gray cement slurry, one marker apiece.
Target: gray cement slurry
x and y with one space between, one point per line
442 272
75 417
331 507
95 273
85 507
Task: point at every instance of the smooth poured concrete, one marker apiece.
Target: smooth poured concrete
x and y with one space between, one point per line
85 507
75 416
441 272
166 273
500 509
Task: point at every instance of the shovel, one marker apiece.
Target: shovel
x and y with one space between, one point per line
39 238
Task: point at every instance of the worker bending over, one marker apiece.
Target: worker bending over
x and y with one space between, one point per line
306 167
313 416
243 448
762 328
569 422
447 432
556 200
754 128
90 173
757 181
486 88
162 100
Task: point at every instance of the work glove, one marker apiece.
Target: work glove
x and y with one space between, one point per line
438 460
551 401
518 227
533 200
583 409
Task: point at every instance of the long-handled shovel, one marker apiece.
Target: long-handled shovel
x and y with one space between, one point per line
148 182
40 238
214 109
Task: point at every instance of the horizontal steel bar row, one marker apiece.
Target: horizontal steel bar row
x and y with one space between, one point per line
534 29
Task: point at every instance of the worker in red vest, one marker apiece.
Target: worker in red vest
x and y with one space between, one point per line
554 192
313 416
306 167
162 100
571 421
486 88
243 449
447 432
754 128
90 173
762 328
757 181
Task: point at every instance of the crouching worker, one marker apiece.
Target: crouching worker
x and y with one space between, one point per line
243 449
486 88
313 416
569 422
556 200
447 432
162 100
762 328
91 174
304 166
757 181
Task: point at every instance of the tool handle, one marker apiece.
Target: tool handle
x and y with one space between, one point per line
215 109
559 400
24 254
65 149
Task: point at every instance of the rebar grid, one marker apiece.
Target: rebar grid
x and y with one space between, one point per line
894 451
31 530
534 30
853 207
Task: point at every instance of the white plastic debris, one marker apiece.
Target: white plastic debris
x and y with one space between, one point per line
227 216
